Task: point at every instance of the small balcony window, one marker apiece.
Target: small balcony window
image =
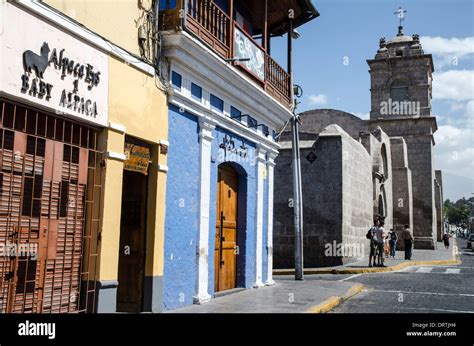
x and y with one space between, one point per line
217 103
196 91
235 113
176 80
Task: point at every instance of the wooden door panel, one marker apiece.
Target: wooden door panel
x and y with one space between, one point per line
132 243
225 260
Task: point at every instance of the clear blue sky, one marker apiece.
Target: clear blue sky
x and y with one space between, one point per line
352 28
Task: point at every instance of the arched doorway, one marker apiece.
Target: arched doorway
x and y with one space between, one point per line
381 210
226 249
382 206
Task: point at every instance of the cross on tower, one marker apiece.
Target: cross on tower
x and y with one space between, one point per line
401 16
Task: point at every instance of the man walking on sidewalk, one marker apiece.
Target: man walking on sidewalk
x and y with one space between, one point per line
446 240
379 235
392 238
408 239
373 244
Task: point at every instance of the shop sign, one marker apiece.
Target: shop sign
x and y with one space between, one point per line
138 158
51 68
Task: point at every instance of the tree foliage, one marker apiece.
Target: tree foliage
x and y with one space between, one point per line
459 212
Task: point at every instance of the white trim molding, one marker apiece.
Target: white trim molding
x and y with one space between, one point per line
205 146
117 127
163 168
261 153
163 142
69 25
270 166
111 155
221 120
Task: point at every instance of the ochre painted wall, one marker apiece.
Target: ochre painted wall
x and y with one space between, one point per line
112 204
136 103
116 20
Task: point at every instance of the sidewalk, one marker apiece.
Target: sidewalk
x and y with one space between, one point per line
286 296
439 256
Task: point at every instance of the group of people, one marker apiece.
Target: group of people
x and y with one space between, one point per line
385 243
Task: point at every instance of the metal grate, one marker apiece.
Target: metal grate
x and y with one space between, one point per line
50 189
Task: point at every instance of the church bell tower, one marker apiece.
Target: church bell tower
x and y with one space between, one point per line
401 88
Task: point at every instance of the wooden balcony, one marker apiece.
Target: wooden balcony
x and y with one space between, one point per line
217 29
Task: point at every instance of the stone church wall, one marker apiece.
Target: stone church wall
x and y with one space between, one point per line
337 201
402 188
418 137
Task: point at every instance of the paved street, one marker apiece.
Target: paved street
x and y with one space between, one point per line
427 288
434 289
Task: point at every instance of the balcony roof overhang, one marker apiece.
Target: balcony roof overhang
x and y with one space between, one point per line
304 11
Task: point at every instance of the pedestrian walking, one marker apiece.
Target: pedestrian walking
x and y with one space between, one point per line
392 242
446 240
408 239
379 235
372 244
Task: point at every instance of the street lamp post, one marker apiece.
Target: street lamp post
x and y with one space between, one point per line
297 198
297 189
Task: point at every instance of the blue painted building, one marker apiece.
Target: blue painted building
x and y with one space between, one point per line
227 98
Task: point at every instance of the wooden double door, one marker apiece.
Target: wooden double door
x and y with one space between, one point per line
226 249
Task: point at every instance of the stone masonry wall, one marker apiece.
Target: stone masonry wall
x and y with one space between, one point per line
418 136
402 188
322 203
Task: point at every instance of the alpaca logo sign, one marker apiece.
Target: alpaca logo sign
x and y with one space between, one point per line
38 63
36 86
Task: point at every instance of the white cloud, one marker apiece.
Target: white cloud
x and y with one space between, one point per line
448 51
453 86
448 46
454 151
457 85
318 100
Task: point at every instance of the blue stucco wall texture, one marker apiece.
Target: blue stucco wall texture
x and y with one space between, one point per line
182 205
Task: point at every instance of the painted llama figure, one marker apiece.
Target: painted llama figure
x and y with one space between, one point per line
37 62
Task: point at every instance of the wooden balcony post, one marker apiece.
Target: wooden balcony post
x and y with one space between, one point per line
265 28
231 29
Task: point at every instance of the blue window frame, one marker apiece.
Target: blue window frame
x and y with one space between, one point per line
176 80
196 91
235 113
251 122
265 130
217 103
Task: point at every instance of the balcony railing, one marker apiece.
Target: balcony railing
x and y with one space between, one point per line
213 26
210 23
277 80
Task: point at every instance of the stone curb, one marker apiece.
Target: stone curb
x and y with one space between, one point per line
334 301
399 266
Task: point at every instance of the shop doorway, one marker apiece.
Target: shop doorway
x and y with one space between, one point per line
226 249
50 187
131 272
